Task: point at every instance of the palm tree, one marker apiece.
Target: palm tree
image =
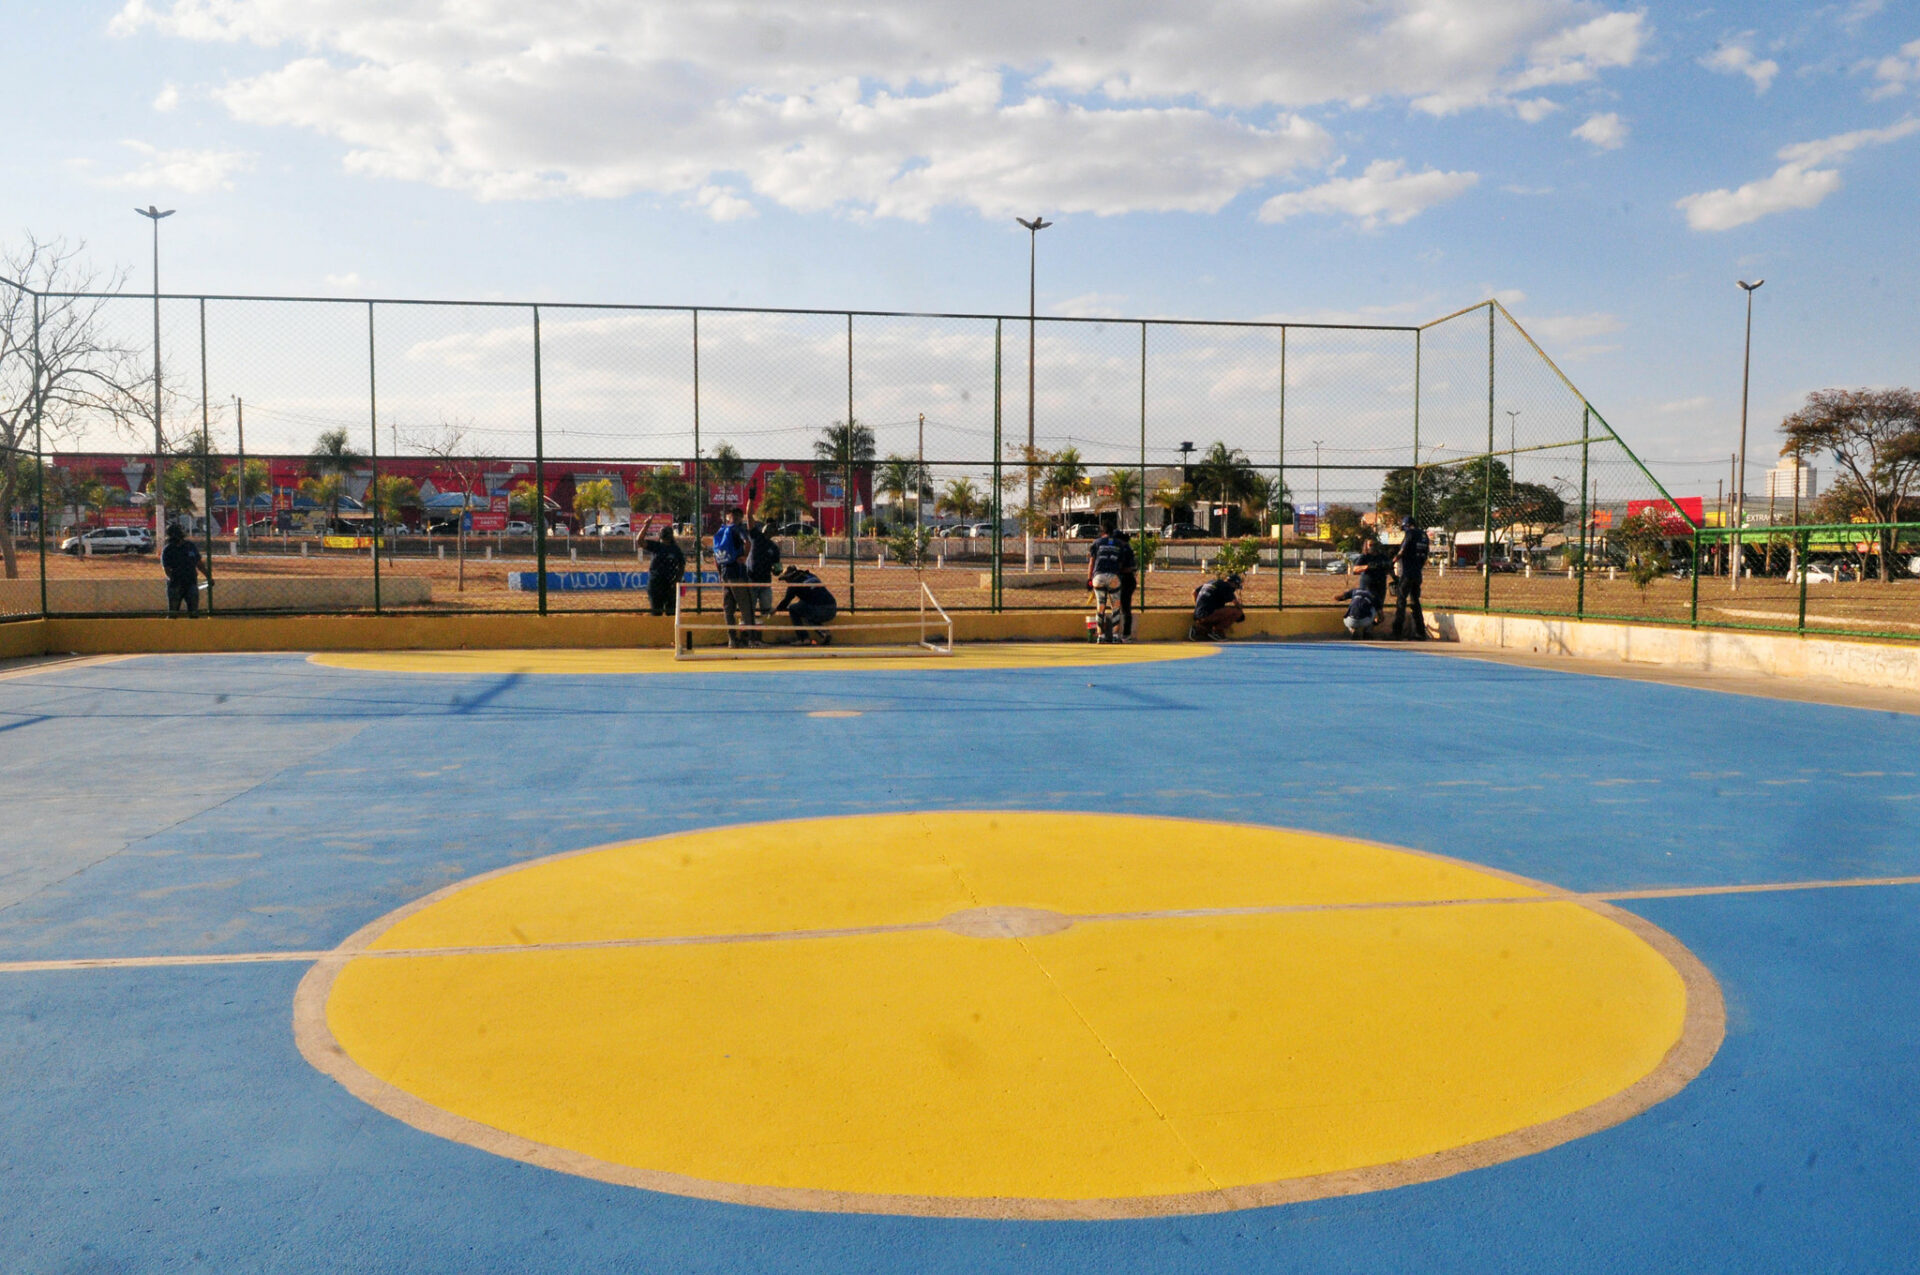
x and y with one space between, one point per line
390 494
1123 485
1172 496
845 445
961 499
783 497
1224 475
663 490
1066 478
326 492
900 477
724 468
591 499
333 454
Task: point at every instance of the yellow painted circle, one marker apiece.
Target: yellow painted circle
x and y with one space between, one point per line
998 655
1015 1014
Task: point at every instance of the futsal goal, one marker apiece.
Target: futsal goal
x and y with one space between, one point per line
705 635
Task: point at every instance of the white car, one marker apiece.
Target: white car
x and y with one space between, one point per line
518 527
110 540
615 529
1817 573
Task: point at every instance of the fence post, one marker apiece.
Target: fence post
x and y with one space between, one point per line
699 493
1142 586
373 428
1486 526
1280 543
846 503
1805 543
1693 616
39 454
996 595
206 455
1586 532
539 474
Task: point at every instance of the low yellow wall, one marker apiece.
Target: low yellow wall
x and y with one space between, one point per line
114 636
21 638
137 594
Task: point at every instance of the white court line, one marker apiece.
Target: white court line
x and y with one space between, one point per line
777 936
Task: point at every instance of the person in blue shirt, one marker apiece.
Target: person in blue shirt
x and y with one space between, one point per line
730 549
810 605
1112 557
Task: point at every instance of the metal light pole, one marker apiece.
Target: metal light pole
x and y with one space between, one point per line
1513 444
1034 228
1319 511
154 214
1740 470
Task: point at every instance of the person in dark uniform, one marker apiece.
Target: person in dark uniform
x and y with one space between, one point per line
1112 554
810 605
182 562
1412 563
1216 608
1364 600
664 569
763 560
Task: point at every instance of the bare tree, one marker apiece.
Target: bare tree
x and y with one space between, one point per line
59 365
1874 437
453 451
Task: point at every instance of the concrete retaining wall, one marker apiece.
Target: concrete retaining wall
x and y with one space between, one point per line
132 596
1886 664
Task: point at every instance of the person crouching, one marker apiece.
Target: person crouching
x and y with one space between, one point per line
810 605
1216 608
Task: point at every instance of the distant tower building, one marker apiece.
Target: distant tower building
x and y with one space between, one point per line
1789 474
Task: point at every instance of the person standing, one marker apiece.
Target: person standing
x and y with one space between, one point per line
1112 554
763 559
182 562
730 557
664 569
1412 563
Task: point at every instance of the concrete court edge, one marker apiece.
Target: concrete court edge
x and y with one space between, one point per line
233 634
1702 1031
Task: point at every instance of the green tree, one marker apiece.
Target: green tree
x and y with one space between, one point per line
1874 439
1530 512
1397 492
1475 484
1224 476
333 454
259 480
663 490
844 444
391 493
783 497
724 468
908 545
1172 498
961 499
1122 486
1342 528
1236 557
524 499
901 477
1066 477
590 499
1644 538
326 491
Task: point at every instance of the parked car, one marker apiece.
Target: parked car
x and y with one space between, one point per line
519 527
110 540
1085 531
794 529
984 530
1339 565
621 528
1183 531
1816 573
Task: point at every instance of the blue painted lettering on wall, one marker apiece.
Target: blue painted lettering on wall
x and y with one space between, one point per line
595 581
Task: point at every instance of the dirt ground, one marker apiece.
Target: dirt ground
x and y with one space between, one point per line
1768 602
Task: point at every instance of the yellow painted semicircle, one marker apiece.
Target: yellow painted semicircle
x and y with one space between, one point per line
1010 1014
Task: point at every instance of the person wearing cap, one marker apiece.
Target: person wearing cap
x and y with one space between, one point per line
810 605
730 550
1410 563
1216 608
182 562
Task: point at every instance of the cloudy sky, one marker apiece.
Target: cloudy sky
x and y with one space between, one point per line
1609 172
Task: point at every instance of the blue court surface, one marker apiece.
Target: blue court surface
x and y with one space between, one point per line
159 1115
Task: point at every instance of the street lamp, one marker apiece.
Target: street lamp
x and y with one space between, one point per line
154 214
1513 444
1318 511
1034 228
1740 466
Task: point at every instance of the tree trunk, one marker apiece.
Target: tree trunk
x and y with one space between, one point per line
7 550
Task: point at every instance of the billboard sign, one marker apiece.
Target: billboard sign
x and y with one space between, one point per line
1681 516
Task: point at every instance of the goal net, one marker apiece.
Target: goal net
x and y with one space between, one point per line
704 634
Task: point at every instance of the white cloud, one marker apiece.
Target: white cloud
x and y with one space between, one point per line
188 171
1799 182
1897 72
1605 132
1164 105
1735 57
344 282
166 99
1385 192
1686 406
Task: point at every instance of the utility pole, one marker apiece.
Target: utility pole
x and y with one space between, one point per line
1034 228
919 475
1740 464
240 479
153 214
